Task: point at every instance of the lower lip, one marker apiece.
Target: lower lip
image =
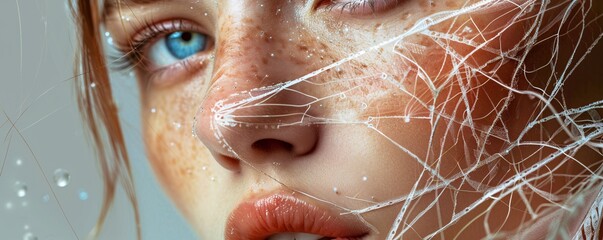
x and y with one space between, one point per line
279 213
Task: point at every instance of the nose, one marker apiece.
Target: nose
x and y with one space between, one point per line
250 113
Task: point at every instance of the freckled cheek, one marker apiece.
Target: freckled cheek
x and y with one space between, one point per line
178 159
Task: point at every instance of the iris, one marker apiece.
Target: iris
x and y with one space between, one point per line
184 44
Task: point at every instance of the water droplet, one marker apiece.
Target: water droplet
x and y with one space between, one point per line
92 85
364 178
25 227
61 177
204 168
205 14
21 189
364 105
383 76
192 8
19 162
342 96
153 110
45 198
213 179
29 236
107 34
83 195
467 29
406 119
272 54
8 205
110 41
177 125
24 204
335 190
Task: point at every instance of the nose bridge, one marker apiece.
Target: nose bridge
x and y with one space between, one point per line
241 114
246 48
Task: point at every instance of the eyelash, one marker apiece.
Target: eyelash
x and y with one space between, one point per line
354 5
132 53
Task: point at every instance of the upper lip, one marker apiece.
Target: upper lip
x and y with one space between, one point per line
257 219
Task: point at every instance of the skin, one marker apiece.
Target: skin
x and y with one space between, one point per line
207 182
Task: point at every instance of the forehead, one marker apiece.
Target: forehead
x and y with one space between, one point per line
110 6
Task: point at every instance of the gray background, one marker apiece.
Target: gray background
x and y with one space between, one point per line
36 94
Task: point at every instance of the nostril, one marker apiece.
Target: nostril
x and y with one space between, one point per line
270 145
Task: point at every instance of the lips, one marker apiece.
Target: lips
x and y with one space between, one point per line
283 216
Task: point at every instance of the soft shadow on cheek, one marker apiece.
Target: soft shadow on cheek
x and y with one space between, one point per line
183 165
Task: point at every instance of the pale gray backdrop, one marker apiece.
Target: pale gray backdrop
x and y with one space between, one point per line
37 96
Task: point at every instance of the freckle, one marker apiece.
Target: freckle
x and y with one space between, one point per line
302 48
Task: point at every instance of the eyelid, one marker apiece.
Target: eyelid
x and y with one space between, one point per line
151 30
134 49
359 7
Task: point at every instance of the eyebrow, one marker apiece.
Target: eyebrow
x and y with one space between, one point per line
112 5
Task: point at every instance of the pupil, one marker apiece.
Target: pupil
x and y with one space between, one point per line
186 36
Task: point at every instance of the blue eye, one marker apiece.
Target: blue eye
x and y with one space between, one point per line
176 46
184 44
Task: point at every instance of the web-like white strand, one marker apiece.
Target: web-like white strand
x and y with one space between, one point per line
580 126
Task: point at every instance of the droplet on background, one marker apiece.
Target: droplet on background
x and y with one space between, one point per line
8 205
364 178
83 195
21 189
45 198
61 177
29 236
19 162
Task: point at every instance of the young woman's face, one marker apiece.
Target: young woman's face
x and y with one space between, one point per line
333 117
